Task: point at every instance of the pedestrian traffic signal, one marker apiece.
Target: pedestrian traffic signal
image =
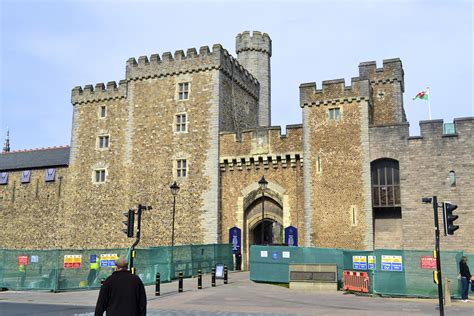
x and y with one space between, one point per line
130 215
449 218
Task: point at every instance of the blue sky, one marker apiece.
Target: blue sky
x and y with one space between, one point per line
48 47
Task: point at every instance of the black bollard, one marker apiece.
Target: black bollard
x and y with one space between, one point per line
102 281
199 280
157 284
213 277
180 282
225 275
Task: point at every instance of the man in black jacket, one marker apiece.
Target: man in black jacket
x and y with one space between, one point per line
465 277
122 293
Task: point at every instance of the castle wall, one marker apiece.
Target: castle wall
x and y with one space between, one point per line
29 211
336 169
425 163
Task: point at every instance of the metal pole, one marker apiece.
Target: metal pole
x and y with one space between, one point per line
157 284
180 282
199 280
213 278
263 214
438 258
172 238
225 275
133 253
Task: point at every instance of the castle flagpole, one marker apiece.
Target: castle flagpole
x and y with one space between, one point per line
429 102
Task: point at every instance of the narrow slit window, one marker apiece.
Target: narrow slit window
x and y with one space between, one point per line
452 178
103 111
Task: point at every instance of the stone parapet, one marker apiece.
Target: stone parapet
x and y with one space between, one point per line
333 92
100 93
191 62
257 41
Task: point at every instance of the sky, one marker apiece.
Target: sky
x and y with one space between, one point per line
49 47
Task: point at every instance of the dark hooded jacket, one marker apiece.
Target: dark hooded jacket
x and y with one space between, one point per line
122 294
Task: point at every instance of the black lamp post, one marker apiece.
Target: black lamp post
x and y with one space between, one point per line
263 185
174 190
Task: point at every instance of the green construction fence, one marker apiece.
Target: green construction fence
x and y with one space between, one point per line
69 269
391 272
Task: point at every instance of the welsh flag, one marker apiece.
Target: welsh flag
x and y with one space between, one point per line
422 95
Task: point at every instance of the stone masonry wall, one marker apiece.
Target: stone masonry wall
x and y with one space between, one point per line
425 163
29 211
338 183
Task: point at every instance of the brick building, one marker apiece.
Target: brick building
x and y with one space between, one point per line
349 176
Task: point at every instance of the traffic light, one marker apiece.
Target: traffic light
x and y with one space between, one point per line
129 223
449 218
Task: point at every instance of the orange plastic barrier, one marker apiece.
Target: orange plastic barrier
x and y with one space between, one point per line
355 281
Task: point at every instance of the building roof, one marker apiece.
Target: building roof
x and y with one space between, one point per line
34 158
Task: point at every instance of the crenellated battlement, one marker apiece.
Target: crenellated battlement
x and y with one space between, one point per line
257 41
392 70
101 92
431 129
180 63
262 141
334 91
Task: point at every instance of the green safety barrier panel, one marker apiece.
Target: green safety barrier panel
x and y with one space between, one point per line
391 272
69 269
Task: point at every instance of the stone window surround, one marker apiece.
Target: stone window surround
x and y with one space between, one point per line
102 112
178 84
185 123
333 109
94 175
98 141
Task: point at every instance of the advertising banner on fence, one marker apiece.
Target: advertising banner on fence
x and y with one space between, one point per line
108 260
392 263
427 262
72 261
22 260
359 262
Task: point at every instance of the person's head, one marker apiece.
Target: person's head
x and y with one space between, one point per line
464 259
121 264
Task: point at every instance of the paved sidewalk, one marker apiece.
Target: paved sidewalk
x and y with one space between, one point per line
242 296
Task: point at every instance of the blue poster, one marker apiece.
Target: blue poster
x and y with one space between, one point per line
291 236
275 256
235 239
93 258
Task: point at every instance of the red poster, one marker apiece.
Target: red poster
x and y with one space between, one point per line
427 262
22 260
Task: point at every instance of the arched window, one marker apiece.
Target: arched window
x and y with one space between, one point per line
385 183
452 178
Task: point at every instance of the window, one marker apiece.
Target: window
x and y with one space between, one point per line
25 176
49 174
353 211
104 141
3 177
99 175
385 183
183 90
452 178
102 111
334 114
318 164
181 170
180 123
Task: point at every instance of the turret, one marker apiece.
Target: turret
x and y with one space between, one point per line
254 52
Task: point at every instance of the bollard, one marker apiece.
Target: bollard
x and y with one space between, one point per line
225 275
199 280
180 282
213 277
102 281
157 284
447 293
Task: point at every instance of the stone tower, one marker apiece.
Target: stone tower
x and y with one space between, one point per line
254 52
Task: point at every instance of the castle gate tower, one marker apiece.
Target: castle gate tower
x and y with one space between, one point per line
254 52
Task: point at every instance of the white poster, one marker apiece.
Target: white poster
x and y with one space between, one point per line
264 254
285 254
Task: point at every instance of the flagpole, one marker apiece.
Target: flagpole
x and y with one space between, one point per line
429 102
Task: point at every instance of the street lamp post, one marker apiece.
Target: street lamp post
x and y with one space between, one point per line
174 191
263 185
